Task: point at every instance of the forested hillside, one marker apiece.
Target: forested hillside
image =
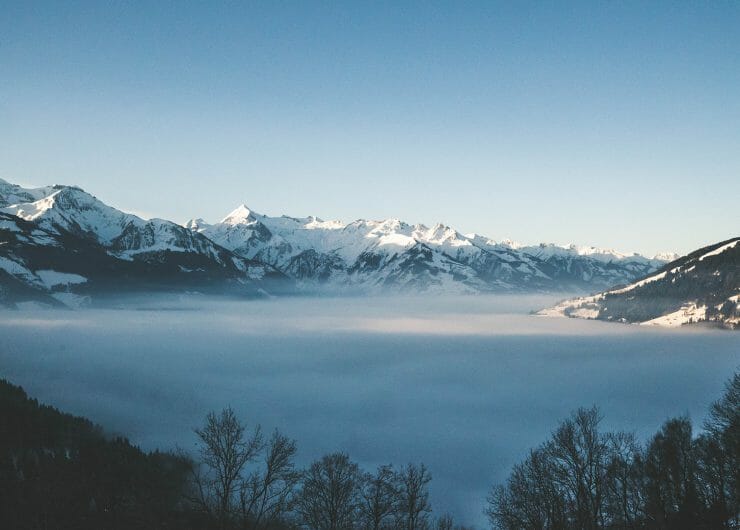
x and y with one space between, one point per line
61 471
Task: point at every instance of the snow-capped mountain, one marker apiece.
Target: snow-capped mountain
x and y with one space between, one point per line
702 287
391 254
58 241
63 243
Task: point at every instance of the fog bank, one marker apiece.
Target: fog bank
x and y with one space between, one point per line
466 385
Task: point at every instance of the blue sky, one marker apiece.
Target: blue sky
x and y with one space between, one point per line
615 124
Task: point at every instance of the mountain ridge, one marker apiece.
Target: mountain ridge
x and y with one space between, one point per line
292 254
702 287
347 253
68 232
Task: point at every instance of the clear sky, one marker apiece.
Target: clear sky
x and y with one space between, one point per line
615 124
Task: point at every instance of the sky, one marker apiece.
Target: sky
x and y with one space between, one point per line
614 124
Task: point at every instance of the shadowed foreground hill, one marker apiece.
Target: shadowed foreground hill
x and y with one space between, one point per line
61 471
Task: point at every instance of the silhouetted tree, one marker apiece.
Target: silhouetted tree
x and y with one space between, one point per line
265 496
531 498
378 498
624 484
721 462
582 479
413 497
329 494
225 451
671 497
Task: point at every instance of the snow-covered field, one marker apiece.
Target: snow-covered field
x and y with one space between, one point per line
466 385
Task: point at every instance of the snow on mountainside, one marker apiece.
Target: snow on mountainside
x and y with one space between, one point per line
70 233
393 254
64 232
71 209
702 287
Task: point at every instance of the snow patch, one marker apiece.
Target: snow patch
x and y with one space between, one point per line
687 314
51 278
719 250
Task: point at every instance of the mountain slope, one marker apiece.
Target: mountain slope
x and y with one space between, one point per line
391 254
64 244
703 286
62 471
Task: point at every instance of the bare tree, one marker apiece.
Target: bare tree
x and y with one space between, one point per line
671 476
329 497
264 497
579 454
413 497
378 498
624 486
531 499
585 480
723 426
225 451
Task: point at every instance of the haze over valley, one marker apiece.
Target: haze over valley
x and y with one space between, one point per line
466 385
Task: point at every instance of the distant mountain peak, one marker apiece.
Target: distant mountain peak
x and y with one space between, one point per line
196 224
666 256
242 214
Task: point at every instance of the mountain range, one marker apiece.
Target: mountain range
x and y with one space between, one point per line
391 254
62 246
702 287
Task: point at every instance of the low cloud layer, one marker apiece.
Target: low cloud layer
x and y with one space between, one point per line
465 385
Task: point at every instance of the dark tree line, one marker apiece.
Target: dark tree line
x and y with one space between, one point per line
585 479
244 481
59 471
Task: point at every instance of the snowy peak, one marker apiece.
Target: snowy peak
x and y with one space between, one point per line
366 254
72 209
196 225
14 194
241 215
360 256
81 238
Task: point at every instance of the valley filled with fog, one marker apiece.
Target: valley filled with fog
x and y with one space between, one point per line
466 385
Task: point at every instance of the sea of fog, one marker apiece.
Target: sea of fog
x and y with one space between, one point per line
465 385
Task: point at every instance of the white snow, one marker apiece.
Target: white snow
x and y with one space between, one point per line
647 280
73 209
278 240
719 250
688 313
582 307
14 268
51 278
339 246
585 312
